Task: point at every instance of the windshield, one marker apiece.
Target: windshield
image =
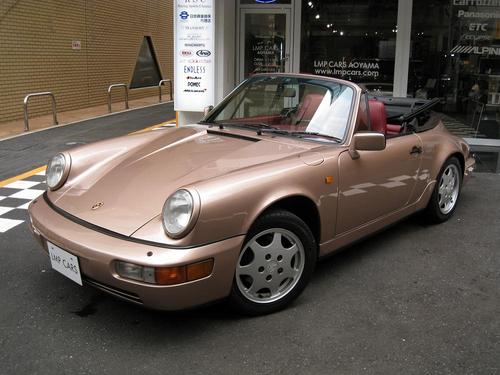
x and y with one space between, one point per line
290 105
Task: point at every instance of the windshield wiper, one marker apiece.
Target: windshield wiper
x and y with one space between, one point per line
252 125
317 134
262 127
298 134
249 125
273 131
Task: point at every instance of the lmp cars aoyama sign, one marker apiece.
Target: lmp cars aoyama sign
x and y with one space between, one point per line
194 54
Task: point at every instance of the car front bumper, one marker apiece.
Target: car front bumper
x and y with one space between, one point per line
97 253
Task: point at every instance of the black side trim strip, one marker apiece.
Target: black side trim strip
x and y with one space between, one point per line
108 232
232 135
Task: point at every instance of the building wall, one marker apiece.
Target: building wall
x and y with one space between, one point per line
36 51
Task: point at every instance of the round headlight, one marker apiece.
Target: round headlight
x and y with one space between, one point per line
57 171
177 213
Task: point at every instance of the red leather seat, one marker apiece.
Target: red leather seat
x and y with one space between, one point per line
378 116
308 107
393 129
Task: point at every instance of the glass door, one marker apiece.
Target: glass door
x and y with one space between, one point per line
264 41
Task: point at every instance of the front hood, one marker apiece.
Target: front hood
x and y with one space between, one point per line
134 189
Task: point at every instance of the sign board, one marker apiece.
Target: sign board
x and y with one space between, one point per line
194 30
76 45
475 28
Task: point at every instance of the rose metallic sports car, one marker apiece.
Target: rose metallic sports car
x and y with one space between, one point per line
285 170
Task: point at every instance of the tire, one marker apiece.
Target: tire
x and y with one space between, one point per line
275 264
446 192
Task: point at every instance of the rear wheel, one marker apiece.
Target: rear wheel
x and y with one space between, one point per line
446 192
274 265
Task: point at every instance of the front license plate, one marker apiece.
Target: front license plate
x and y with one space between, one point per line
65 263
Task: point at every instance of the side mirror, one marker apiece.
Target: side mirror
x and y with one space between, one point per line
207 110
366 141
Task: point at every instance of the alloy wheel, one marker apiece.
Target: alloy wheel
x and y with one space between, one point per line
449 187
270 265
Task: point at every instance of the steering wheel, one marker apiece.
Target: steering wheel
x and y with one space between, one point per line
288 112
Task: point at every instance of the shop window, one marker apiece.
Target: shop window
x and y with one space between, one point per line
265 43
147 71
455 56
352 40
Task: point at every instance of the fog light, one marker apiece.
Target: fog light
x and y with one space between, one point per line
165 275
135 272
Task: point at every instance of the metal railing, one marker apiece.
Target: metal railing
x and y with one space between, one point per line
170 86
25 105
109 94
477 110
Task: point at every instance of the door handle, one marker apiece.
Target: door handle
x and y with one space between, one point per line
416 150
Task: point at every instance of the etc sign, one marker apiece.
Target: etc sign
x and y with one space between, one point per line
194 31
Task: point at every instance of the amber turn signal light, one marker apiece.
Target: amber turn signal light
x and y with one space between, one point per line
200 270
182 274
170 275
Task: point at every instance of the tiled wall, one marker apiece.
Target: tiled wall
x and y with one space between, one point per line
36 52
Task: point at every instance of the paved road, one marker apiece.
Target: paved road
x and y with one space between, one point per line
411 300
33 150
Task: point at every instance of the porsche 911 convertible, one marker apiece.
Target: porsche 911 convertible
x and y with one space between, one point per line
239 207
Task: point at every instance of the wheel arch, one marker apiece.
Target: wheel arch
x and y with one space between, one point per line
460 158
301 206
446 149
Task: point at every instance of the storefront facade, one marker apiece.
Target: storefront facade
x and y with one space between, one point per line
76 49
415 48
452 48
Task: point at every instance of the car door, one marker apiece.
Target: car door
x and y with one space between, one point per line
378 182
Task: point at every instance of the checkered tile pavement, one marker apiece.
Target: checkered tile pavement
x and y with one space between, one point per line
459 128
15 198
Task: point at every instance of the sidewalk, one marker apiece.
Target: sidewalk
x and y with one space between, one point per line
33 149
11 128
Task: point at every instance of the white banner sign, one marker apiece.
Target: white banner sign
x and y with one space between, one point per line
194 54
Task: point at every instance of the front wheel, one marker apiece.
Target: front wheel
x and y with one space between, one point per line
275 264
446 192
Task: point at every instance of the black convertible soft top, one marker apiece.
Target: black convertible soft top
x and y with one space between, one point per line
405 109
411 112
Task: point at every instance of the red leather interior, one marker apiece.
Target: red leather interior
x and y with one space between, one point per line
305 112
271 120
393 129
308 107
378 116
